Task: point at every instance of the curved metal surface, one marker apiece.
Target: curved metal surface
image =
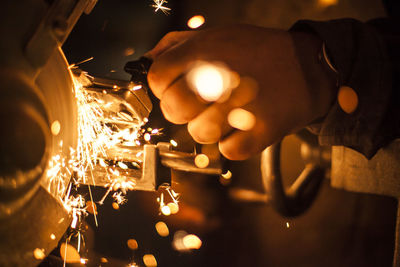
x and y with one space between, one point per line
41 213
56 84
299 197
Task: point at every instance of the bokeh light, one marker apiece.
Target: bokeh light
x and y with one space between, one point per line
212 81
196 21
241 119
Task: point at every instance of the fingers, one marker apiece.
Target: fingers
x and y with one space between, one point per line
168 67
179 104
169 40
210 125
241 145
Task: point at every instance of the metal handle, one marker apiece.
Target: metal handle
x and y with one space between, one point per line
300 195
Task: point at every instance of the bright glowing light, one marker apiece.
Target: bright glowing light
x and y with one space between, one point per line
132 244
192 242
39 254
149 260
129 51
173 143
211 81
241 119
115 205
201 161
162 229
327 3
227 175
53 237
159 5
287 225
196 21
207 80
166 210
174 207
69 254
147 137
55 127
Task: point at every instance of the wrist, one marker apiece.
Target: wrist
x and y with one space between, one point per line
321 78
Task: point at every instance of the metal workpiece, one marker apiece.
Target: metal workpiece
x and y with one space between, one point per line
147 167
127 101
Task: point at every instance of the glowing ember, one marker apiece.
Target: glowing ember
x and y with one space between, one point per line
227 175
159 5
149 260
201 161
173 143
327 3
39 254
185 242
174 207
119 198
55 127
115 205
166 210
192 242
132 244
162 229
69 254
196 21
91 207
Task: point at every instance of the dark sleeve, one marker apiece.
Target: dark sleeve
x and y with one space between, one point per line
366 56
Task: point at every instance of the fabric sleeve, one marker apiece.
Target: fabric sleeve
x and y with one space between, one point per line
362 56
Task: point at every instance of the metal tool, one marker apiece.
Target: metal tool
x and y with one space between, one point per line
146 167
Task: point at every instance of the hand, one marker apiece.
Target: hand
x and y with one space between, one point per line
289 94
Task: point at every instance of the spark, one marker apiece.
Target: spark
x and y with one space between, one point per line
159 5
173 143
74 65
119 198
172 207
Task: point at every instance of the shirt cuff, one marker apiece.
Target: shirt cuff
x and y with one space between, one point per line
360 56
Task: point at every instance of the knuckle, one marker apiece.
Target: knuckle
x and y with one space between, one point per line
154 81
204 132
171 114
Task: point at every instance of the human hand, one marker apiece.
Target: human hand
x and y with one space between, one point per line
282 93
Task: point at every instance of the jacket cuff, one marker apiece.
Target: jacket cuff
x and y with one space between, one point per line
360 56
